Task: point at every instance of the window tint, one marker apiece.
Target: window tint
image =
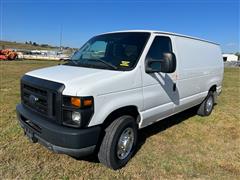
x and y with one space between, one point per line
160 45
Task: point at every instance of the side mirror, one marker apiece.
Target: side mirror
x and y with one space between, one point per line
166 65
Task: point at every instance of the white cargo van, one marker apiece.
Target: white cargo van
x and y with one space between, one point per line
116 84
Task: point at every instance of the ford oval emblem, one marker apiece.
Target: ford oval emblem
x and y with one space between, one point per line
33 99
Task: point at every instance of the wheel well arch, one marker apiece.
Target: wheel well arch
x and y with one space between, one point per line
213 88
126 110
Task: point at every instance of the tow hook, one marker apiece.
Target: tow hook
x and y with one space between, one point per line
31 136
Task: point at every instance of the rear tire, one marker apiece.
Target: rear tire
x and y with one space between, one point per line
207 105
119 142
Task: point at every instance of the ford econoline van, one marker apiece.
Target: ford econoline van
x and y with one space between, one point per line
114 85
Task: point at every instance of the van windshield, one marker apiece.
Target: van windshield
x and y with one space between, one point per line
115 51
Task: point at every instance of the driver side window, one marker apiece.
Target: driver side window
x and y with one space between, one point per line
160 45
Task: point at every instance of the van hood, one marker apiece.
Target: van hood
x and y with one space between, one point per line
81 81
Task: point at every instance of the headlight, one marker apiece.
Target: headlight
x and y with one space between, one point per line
76 117
77 111
72 118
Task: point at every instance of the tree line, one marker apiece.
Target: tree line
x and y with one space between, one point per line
44 45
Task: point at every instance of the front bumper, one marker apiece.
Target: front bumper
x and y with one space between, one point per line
60 139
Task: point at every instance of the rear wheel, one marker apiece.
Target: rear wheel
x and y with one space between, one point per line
207 105
119 142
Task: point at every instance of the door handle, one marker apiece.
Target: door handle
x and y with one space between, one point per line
174 86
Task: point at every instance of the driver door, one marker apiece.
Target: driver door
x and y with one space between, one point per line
159 89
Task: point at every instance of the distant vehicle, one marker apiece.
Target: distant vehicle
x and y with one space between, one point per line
230 58
67 57
116 84
44 55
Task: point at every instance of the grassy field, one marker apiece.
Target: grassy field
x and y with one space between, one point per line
184 146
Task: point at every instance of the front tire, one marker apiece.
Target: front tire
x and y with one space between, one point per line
119 142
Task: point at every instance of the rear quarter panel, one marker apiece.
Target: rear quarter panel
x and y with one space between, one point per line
199 66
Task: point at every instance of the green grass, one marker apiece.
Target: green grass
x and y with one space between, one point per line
184 146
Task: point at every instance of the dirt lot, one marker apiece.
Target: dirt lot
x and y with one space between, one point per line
185 146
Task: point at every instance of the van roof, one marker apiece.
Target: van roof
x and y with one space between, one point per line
163 32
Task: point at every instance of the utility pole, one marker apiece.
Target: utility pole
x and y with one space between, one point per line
60 43
1 19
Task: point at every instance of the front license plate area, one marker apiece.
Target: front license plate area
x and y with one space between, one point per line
30 135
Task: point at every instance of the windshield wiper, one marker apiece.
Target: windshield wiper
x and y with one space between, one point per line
75 62
105 62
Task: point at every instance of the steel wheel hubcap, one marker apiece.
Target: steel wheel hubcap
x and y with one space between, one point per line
209 104
125 143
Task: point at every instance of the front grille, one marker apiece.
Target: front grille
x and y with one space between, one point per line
42 96
41 104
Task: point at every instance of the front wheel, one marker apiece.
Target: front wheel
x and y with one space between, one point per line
119 142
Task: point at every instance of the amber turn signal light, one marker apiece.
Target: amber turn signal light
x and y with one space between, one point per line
87 102
76 101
